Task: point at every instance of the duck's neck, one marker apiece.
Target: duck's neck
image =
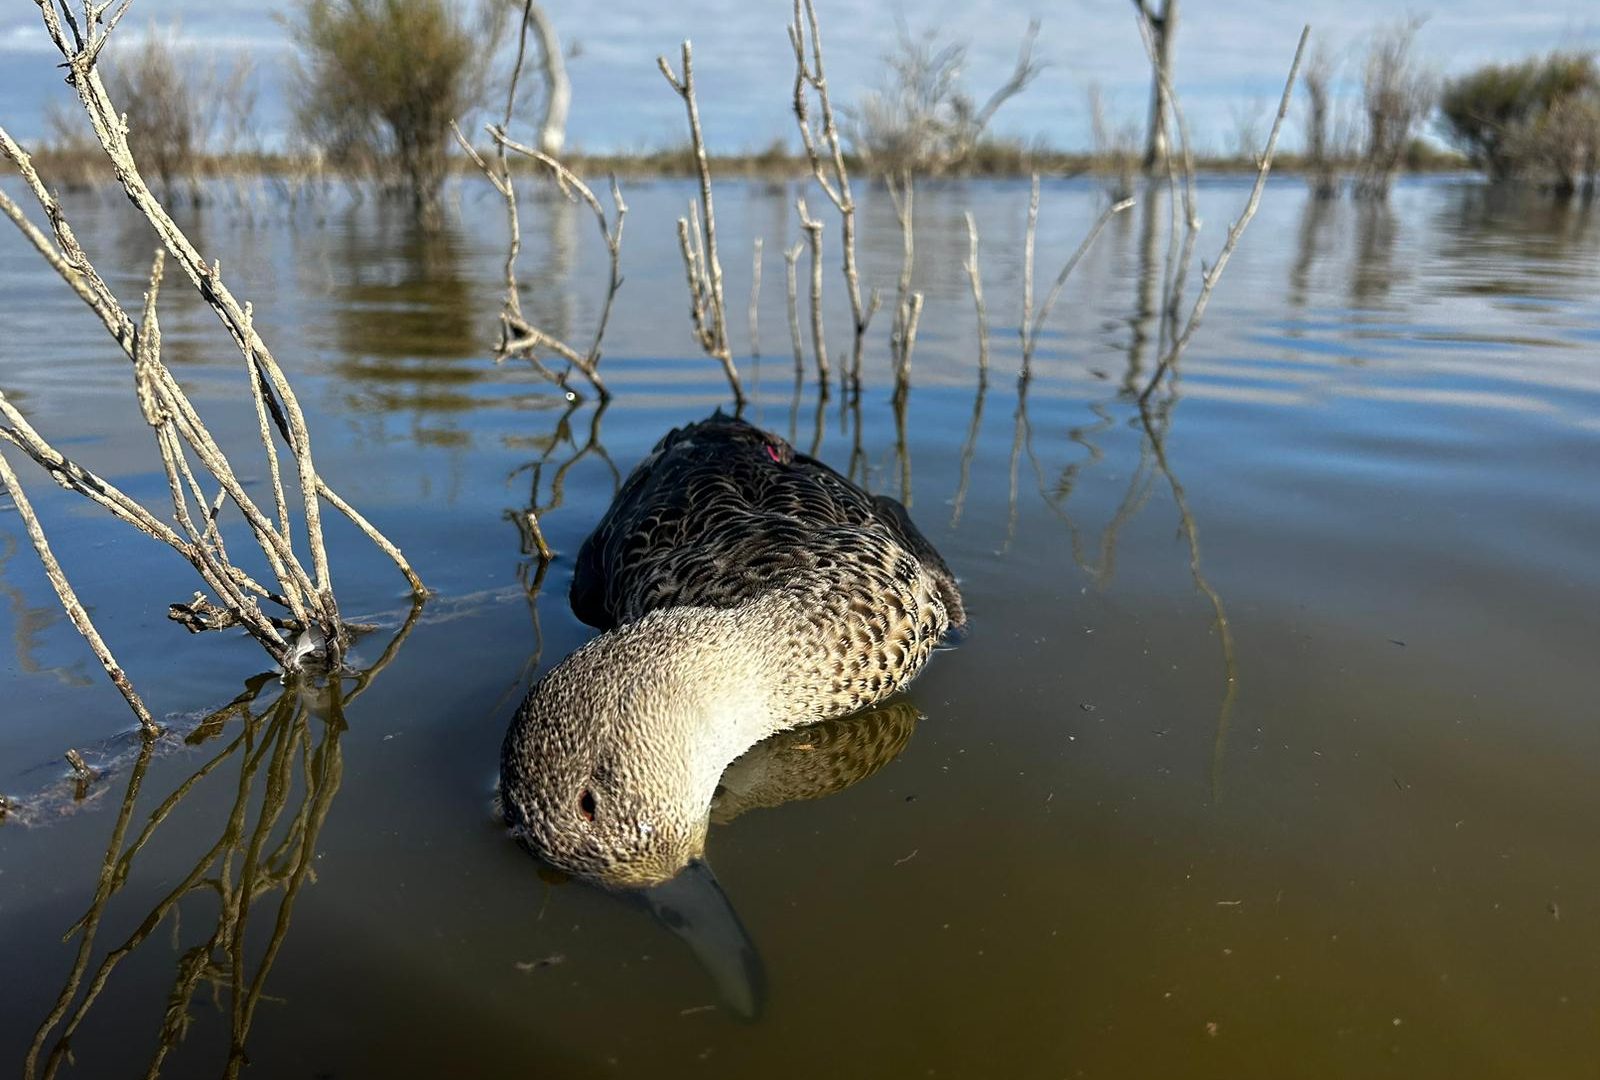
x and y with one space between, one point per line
723 679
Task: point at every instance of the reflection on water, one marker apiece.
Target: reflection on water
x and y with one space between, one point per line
30 620
1373 272
814 762
285 759
1271 729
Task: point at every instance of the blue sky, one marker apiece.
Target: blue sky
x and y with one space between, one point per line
1231 57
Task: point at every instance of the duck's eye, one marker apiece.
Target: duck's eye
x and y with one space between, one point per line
586 804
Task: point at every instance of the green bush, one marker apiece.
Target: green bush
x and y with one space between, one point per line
1494 113
380 81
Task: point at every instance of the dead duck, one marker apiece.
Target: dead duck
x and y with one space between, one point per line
744 589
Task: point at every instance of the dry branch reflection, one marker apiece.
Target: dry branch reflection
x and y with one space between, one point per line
288 764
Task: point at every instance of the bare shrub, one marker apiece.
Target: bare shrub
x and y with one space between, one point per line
1244 134
1318 82
922 120
380 81
1561 146
1116 149
70 155
1397 94
182 108
310 622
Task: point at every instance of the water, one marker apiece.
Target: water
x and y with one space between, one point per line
1270 751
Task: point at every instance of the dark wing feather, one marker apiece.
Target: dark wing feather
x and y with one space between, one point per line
720 511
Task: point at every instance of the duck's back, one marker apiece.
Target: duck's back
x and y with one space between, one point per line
721 511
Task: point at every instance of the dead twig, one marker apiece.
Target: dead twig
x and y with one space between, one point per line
791 256
811 73
708 308
519 337
813 231
307 595
908 305
1033 319
1031 338
973 275
1213 274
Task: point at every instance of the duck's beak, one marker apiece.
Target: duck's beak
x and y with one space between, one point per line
693 906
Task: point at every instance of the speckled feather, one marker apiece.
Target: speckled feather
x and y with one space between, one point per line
721 511
744 589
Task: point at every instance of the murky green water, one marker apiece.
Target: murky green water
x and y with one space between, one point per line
1271 751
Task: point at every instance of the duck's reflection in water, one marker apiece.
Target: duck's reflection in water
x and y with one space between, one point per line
806 763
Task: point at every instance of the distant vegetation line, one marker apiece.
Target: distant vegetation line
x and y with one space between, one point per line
376 85
75 172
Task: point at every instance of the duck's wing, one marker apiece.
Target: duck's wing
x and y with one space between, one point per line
721 510
720 488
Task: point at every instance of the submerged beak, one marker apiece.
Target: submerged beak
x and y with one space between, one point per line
693 906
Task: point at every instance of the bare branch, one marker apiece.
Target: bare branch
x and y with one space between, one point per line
713 333
811 73
1025 72
904 333
1027 271
518 337
790 257
976 278
1066 271
1235 231
813 231
573 187
178 428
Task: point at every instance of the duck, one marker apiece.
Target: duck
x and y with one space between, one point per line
741 589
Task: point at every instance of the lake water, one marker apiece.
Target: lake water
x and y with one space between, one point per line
1271 750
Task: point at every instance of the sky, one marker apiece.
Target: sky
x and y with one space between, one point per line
1231 57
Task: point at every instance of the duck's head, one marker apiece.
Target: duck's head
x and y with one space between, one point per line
609 767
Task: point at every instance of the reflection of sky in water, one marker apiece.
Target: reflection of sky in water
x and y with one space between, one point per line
1096 843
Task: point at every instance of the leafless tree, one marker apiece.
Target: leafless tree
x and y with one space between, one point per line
552 128
181 107
922 120
1163 28
1318 82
